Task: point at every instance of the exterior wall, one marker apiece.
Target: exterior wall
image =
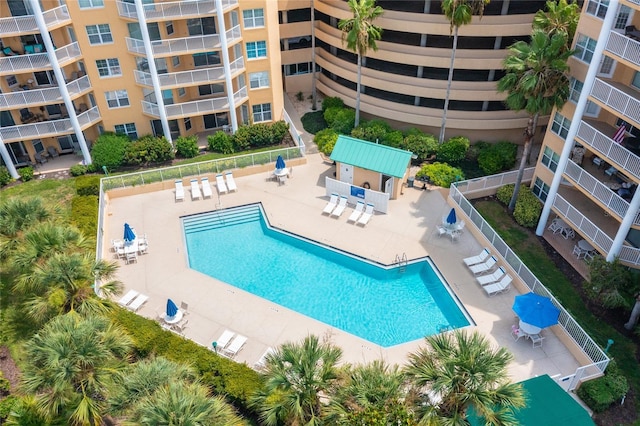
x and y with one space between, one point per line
374 179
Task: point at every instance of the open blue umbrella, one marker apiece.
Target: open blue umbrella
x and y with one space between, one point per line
172 309
536 310
451 219
280 162
129 235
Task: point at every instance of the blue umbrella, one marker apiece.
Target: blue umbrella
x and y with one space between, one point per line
536 310
129 235
280 162
451 219
172 309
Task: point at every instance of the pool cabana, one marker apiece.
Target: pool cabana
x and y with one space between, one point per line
371 165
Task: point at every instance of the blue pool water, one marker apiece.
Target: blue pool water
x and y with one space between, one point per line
386 306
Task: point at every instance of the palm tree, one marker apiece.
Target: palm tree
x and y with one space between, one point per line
70 364
458 13
560 16
17 215
457 371
635 314
536 80
314 102
361 35
296 376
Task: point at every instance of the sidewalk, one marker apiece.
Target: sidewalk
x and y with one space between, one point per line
307 137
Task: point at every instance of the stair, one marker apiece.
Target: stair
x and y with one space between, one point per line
221 218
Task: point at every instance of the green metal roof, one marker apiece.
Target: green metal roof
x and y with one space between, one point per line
371 156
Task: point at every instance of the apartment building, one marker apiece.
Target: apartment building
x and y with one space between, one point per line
589 165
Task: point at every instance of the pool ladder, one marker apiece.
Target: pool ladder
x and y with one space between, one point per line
401 262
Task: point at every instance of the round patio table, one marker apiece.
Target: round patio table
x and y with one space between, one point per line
174 319
529 329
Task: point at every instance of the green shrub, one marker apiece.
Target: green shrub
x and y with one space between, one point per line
84 214
220 142
259 135
326 140
148 150
422 145
313 122
495 158
6 406
187 146
78 170
5 385
372 131
454 150
340 119
600 393
440 174
108 150
5 176
26 173
528 207
332 102
504 193
88 185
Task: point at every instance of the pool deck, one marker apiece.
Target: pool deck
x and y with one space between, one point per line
409 227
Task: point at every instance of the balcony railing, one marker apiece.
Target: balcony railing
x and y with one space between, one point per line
38 61
22 25
48 128
189 78
173 10
618 100
178 46
624 47
186 109
27 98
617 155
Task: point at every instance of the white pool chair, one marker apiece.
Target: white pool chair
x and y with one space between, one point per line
207 192
131 257
231 182
499 287
491 278
235 346
333 202
222 188
342 204
224 339
474 260
262 362
179 191
195 189
366 216
127 298
138 302
481 268
355 215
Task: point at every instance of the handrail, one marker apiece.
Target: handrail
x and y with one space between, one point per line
295 134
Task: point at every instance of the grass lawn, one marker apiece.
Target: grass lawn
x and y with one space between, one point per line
56 193
217 155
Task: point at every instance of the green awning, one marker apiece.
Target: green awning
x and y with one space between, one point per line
371 156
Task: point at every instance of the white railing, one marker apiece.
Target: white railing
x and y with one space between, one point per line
204 106
618 100
89 117
494 181
26 98
19 25
624 47
171 10
68 52
189 78
616 155
56 16
174 46
295 134
48 128
23 63
233 34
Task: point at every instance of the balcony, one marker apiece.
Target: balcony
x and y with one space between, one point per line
624 47
618 97
22 25
188 109
48 128
174 10
51 95
190 78
39 61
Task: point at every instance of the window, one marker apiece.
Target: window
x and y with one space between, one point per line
541 189
253 18
624 12
256 49
117 98
37 145
212 121
585 48
201 26
108 67
560 125
210 89
99 34
175 61
635 82
11 80
45 78
187 123
550 159
206 59
169 27
136 33
128 129
575 87
606 67
301 68
598 8
259 79
87 4
261 112
591 109
181 91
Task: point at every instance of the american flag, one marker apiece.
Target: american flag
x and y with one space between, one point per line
620 133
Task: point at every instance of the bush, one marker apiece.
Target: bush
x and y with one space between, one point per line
108 150
331 103
88 185
504 193
372 131
528 207
220 142
5 177
6 406
148 150
78 170
454 150
259 135
600 393
495 158
610 284
326 140
84 214
26 173
187 146
313 122
440 174
422 145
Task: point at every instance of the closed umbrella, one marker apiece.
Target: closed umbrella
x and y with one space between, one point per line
280 162
129 235
538 311
172 309
451 219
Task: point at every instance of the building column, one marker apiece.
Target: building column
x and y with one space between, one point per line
624 227
8 162
142 21
577 116
227 67
57 71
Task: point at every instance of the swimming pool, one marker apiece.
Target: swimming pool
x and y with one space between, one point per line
384 305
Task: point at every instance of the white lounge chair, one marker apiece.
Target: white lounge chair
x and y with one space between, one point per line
138 302
474 260
499 287
179 191
195 189
224 339
366 216
235 346
342 204
356 212
231 182
127 298
481 268
207 192
333 202
491 278
222 188
260 364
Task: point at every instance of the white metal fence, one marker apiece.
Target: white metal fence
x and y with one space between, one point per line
380 200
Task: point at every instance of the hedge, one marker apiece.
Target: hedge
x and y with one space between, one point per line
108 150
326 139
453 150
148 150
88 185
84 214
5 176
332 102
528 207
599 394
495 158
26 173
187 146
440 174
220 142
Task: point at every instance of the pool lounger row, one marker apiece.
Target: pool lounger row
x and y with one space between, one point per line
228 347
338 203
207 191
133 300
492 283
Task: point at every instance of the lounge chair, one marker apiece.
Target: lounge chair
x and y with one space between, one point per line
342 204
333 202
179 191
138 302
222 188
195 189
224 339
474 260
481 268
260 364
492 278
355 215
231 182
366 216
127 298
207 192
499 287
235 346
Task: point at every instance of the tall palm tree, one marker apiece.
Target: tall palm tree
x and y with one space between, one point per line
457 371
17 215
314 97
458 13
560 16
536 80
296 376
361 35
70 364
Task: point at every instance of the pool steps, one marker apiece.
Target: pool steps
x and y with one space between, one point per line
220 218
